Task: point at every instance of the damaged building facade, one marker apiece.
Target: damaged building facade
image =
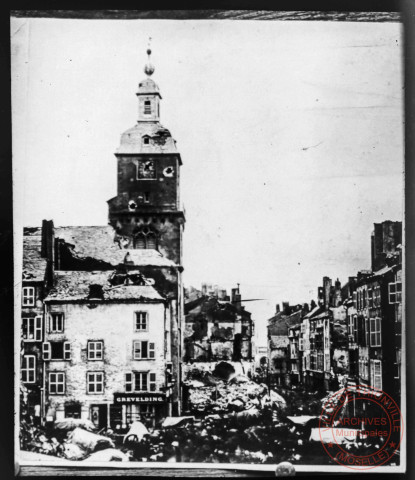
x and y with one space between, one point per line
217 327
102 307
354 334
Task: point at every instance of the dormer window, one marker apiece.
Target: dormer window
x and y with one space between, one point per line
147 107
146 141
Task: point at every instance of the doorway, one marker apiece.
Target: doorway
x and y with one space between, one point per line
99 415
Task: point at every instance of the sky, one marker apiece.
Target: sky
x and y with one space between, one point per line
291 136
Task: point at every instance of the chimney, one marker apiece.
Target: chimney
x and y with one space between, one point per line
236 297
47 239
47 250
222 294
204 289
277 308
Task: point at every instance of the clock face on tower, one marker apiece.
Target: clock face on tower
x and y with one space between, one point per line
146 169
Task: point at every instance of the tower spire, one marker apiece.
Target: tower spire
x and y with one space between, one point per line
149 67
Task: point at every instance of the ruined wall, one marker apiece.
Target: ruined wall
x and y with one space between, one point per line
168 229
114 325
340 361
222 350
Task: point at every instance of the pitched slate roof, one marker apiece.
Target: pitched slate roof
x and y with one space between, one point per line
34 265
102 243
74 286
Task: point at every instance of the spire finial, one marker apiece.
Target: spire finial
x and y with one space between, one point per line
149 68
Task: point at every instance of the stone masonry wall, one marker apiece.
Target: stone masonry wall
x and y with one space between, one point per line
114 325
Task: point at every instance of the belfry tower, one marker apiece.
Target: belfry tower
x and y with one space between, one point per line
146 211
148 220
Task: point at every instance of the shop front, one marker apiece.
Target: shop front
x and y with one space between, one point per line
148 408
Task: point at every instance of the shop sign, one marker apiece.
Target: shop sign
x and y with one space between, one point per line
136 398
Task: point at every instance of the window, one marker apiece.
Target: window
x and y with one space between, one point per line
146 141
134 413
145 237
32 329
375 332
301 344
147 107
327 362
95 382
313 361
29 369
56 322
369 297
73 410
140 381
143 349
95 350
376 374
28 296
320 361
355 300
146 197
56 383
376 296
151 241
141 322
367 332
56 351
395 292
294 367
363 368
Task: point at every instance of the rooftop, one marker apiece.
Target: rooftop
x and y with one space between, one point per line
102 243
74 286
160 139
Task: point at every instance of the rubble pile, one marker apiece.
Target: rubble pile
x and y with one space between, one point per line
211 395
232 438
68 441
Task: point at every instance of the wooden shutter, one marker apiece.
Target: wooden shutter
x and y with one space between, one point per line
128 382
152 382
38 329
46 350
67 351
137 349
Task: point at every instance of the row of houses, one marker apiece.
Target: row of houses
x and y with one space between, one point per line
353 334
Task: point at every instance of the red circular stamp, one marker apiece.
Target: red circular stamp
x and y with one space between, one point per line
361 427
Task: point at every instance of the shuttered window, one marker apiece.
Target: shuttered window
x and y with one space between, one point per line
143 349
